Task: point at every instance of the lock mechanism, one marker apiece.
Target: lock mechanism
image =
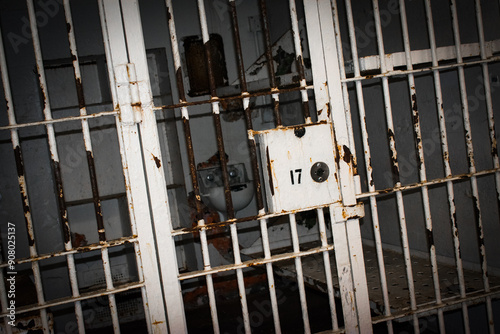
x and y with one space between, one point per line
299 166
320 172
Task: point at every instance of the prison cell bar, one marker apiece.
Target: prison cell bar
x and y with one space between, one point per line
63 214
91 166
192 165
472 166
489 104
126 176
371 185
323 110
22 188
423 176
425 194
223 163
254 163
270 61
444 140
299 61
115 43
142 104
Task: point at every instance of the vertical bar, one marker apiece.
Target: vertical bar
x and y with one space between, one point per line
142 102
369 169
300 275
349 252
133 225
215 110
117 58
446 160
256 179
21 180
192 165
270 276
91 166
489 103
425 196
63 214
472 167
328 269
299 61
270 61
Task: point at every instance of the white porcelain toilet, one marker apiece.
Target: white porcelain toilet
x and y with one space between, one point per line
212 188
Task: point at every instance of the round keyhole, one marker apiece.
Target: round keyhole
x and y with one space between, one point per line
320 172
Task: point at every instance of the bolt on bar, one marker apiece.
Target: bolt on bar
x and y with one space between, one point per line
270 61
63 214
299 61
255 172
425 195
489 103
369 168
472 167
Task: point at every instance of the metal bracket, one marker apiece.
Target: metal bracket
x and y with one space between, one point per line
128 94
342 213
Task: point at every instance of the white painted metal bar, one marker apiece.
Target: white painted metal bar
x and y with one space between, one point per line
300 274
115 45
489 103
133 224
88 147
83 296
299 60
328 269
56 170
22 186
445 152
3 292
58 120
423 178
472 167
185 119
270 275
369 169
395 170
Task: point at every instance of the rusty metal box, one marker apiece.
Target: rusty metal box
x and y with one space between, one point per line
298 165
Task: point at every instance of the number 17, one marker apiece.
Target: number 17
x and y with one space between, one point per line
299 174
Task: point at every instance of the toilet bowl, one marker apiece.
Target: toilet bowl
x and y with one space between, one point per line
212 188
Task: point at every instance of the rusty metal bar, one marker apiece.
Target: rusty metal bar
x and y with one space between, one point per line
425 195
256 179
215 110
397 73
270 61
369 169
489 103
423 179
91 166
444 146
81 297
63 214
299 60
21 172
59 120
192 164
472 166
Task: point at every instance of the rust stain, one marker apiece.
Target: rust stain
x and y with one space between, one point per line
157 161
269 171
